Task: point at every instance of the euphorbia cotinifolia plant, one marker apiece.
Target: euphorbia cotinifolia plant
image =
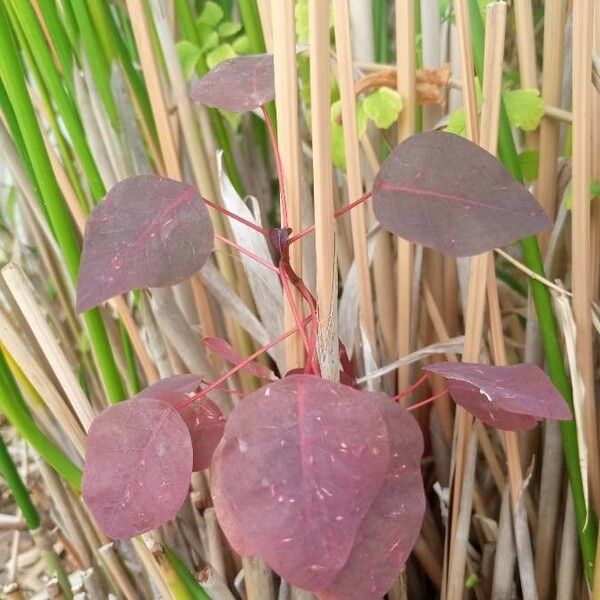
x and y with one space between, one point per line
320 479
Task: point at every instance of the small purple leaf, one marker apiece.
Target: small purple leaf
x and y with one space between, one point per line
147 232
447 193
138 466
239 84
299 465
203 418
390 528
512 398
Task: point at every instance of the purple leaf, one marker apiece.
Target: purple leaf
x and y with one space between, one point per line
147 232
227 351
138 466
239 84
203 418
299 465
390 528
512 398
447 193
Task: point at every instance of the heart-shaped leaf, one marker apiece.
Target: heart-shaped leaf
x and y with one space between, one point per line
447 193
239 84
203 418
298 468
390 528
147 232
512 398
137 467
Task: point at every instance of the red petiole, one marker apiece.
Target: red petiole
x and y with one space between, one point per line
427 401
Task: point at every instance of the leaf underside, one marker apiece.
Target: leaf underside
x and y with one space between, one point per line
447 193
239 84
302 475
204 419
147 232
138 466
513 397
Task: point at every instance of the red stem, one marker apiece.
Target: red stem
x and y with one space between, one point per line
337 213
228 213
215 384
412 388
427 401
286 288
279 166
239 248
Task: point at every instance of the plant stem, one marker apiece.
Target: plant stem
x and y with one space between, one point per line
586 521
64 103
194 588
380 33
13 406
20 493
252 26
11 74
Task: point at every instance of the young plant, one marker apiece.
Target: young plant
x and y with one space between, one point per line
321 479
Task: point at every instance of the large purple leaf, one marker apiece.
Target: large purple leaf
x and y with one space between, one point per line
299 465
147 232
447 193
138 466
389 530
512 398
239 84
203 418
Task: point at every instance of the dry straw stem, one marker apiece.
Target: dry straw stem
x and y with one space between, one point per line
583 12
406 67
526 49
13 341
114 566
325 238
22 292
478 276
353 174
288 139
546 185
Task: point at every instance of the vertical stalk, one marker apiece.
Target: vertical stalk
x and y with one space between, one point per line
12 76
405 69
586 521
288 138
353 174
320 90
583 22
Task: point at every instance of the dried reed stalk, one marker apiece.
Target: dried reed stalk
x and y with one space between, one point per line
325 238
288 139
353 172
478 276
405 66
583 12
546 184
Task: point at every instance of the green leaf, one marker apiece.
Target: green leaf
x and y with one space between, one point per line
338 155
189 54
458 123
529 163
241 44
209 38
383 106
219 54
212 14
568 197
301 11
525 108
228 28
